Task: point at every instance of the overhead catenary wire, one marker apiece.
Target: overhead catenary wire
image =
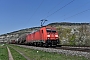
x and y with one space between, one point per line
60 8
77 14
76 8
37 9
53 7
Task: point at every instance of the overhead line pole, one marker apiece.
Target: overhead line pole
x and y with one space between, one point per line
43 21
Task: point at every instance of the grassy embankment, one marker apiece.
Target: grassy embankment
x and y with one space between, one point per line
16 55
40 55
3 52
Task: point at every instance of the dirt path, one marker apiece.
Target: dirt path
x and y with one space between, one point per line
10 55
21 53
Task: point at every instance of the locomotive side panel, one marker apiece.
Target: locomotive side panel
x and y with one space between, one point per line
43 34
37 36
28 38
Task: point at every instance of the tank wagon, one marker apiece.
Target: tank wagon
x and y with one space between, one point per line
21 39
12 42
45 36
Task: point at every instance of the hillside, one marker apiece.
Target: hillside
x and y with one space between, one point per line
69 33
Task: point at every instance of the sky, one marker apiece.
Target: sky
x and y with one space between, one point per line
21 14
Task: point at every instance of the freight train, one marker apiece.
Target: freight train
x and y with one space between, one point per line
45 36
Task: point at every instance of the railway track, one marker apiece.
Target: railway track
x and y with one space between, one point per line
83 49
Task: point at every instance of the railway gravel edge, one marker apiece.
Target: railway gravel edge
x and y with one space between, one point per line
60 51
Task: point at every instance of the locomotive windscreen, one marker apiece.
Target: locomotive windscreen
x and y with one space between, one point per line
50 30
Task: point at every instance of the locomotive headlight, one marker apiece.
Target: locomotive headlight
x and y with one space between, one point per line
56 35
48 38
48 35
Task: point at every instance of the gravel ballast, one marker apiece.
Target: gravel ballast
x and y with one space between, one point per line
60 51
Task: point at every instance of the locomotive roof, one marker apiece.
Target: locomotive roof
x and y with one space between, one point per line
47 27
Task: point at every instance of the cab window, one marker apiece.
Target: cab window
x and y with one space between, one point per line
42 31
49 30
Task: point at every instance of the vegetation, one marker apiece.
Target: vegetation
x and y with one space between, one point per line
16 55
74 35
3 52
84 38
40 55
66 36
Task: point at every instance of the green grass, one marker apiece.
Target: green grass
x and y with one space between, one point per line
33 55
3 52
16 55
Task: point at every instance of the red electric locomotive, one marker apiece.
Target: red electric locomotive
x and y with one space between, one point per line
45 36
